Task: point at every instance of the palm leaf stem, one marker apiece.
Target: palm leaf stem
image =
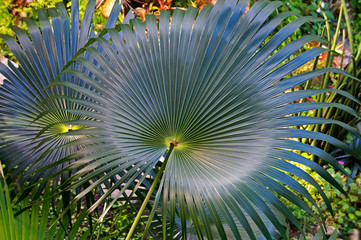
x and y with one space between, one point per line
352 51
326 77
343 49
149 194
344 83
127 201
325 80
358 54
348 24
308 83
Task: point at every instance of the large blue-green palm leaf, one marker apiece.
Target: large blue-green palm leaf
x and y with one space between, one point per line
41 59
198 105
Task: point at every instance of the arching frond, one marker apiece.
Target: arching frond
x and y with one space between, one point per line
41 59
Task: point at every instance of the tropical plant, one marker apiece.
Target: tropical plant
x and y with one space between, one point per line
338 81
41 60
194 111
31 224
190 115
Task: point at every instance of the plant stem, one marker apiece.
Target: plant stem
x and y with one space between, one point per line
348 24
149 194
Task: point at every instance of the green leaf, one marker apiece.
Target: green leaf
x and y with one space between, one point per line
41 59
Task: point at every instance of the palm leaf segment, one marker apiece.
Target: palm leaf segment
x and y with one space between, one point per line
207 89
41 60
30 224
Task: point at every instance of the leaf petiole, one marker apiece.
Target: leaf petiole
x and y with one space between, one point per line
149 194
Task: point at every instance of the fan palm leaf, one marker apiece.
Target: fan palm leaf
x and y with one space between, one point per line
194 109
41 59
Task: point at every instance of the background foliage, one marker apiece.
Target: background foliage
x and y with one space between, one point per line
11 12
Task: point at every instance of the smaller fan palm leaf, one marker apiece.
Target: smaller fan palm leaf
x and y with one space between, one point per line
41 59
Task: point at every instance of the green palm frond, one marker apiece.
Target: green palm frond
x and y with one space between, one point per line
193 109
31 224
41 59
